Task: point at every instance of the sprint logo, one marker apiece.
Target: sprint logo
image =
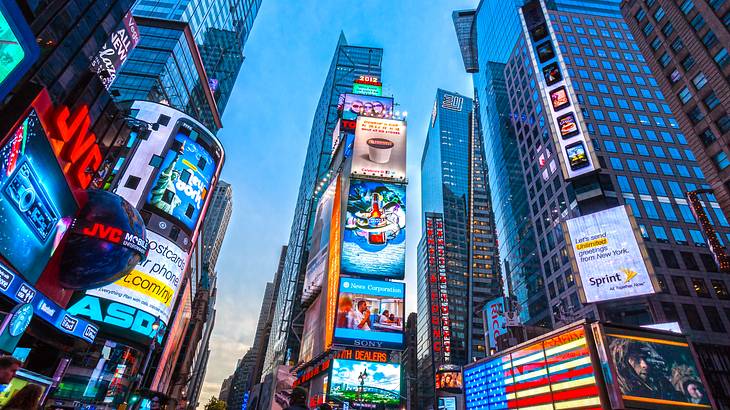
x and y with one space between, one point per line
614 278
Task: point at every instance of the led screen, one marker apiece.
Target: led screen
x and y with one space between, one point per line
370 313
367 89
152 286
496 323
608 257
655 371
553 373
36 204
447 403
18 49
374 236
380 148
181 186
319 245
449 381
353 105
354 381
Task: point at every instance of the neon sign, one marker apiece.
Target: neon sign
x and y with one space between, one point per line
74 145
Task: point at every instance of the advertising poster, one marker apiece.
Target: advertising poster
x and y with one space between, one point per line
357 382
380 148
374 239
319 248
312 335
354 105
115 51
495 320
370 313
18 47
184 178
283 383
654 371
608 256
448 378
152 285
36 204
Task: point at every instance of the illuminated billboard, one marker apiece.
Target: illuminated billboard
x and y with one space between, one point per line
319 244
313 333
374 237
18 47
651 370
370 313
184 179
606 253
115 50
118 318
556 372
438 287
354 105
152 286
569 130
449 378
37 205
380 148
496 322
371 383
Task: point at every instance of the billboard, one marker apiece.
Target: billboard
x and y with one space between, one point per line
37 205
653 370
556 372
496 322
449 378
370 313
380 149
354 105
152 285
115 50
282 388
439 295
312 335
319 245
359 382
18 47
374 237
569 130
181 187
607 254
367 89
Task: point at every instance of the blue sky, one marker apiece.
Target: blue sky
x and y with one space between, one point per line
267 124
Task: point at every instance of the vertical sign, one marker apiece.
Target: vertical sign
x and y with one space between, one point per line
496 323
115 51
440 325
564 116
333 274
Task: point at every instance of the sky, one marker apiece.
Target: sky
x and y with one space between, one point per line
266 130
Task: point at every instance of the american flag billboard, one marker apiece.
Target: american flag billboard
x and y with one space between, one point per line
553 373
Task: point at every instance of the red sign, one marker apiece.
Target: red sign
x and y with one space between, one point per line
440 324
74 145
368 79
105 232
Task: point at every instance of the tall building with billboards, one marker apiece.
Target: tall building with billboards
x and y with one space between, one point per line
456 203
348 64
686 46
593 131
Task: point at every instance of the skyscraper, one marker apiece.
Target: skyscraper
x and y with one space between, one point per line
348 64
216 223
645 163
455 194
686 45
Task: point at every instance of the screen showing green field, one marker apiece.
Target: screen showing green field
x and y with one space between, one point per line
358 382
11 52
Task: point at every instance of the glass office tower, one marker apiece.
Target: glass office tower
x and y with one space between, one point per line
348 64
455 196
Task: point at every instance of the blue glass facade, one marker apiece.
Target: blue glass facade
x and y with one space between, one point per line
348 64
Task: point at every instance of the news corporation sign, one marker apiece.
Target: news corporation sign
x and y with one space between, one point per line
607 254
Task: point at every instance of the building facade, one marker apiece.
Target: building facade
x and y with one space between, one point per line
686 46
348 64
216 223
455 187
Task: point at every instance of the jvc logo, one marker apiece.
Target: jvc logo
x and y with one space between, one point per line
102 231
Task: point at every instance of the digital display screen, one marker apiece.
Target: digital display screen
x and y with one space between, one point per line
380 148
539 32
577 155
18 48
545 52
551 72
370 313
354 105
559 98
36 204
374 236
568 125
319 245
181 186
655 372
354 381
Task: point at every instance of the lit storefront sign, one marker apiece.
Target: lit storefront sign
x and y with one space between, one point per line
439 297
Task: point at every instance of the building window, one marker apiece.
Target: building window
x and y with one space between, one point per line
693 317
722 58
659 14
677 45
685 95
687 6
708 137
668 29
724 123
688 62
656 43
696 114
661 236
699 240
709 39
721 160
720 289
699 81
700 287
697 22
680 285
713 316
132 182
670 312
711 101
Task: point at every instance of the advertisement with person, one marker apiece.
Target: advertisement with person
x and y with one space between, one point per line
184 179
380 148
354 105
606 253
374 239
370 313
319 245
37 205
655 371
365 384
448 378
152 285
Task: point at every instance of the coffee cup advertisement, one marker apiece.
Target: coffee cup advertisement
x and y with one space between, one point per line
380 148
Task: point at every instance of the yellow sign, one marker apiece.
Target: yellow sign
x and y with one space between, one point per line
147 285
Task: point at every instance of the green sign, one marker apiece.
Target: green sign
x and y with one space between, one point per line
367 89
11 52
